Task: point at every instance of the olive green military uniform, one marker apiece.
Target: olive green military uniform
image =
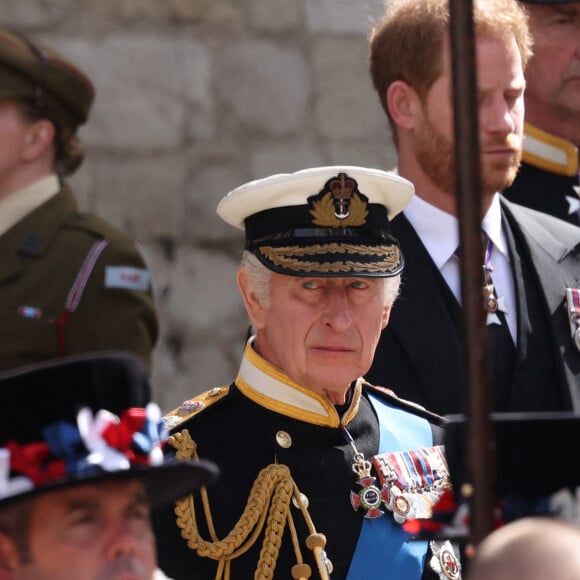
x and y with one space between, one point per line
71 283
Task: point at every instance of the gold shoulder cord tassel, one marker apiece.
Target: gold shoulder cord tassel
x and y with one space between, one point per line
268 504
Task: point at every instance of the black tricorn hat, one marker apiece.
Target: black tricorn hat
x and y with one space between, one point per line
86 419
323 221
535 453
32 71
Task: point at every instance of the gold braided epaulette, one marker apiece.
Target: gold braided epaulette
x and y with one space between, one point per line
193 406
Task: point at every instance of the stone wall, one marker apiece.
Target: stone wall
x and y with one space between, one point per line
195 97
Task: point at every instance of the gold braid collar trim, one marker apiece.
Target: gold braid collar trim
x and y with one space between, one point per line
287 257
268 508
549 152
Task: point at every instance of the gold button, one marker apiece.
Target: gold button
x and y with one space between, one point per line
283 439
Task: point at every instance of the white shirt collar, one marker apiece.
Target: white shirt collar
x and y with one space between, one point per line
439 230
491 225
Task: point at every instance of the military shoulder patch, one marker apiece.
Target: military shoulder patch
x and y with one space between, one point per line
127 278
193 406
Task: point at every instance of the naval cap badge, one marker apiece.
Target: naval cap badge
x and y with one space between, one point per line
339 204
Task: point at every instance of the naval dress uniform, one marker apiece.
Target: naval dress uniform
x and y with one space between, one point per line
265 421
549 176
70 283
309 489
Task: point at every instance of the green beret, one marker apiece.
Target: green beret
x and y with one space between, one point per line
30 70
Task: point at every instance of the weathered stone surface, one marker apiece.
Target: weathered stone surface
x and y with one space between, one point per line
206 187
33 13
368 154
155 11
265 86
285 156
143 195
202 293
275 15
342 16
346 106
146 85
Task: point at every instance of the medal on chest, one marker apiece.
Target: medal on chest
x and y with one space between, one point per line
408 483
492 303
369 498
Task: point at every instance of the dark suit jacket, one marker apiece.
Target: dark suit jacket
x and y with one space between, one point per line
40 258
420 352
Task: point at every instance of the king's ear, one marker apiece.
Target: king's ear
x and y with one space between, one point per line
255 307
402 102
385 317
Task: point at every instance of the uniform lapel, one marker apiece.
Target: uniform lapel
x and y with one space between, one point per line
10 262
548 251
553 264
423 322
32 235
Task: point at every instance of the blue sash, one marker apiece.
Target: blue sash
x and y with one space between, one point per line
382 550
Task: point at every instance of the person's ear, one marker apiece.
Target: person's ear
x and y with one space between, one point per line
9 556
39 138
385 317
254 307
402 102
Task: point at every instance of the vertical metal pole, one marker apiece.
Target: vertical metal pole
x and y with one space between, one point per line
480 459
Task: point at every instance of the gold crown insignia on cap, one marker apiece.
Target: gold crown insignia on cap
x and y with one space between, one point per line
339 204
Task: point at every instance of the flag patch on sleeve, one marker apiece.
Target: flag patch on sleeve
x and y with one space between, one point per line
127 278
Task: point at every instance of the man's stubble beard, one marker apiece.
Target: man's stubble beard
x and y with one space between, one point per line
435 155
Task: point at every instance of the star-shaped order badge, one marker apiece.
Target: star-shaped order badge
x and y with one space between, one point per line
493 304
573 202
